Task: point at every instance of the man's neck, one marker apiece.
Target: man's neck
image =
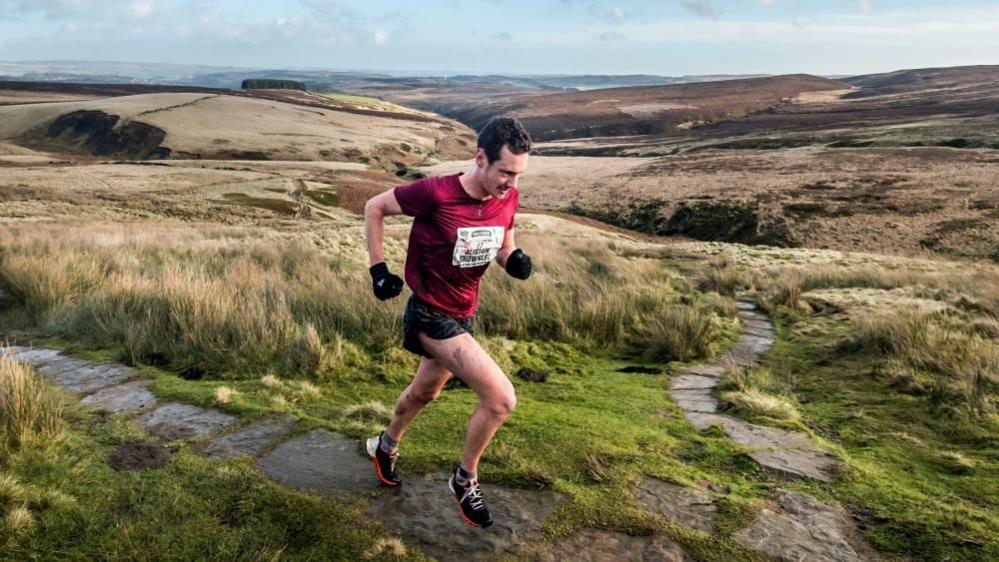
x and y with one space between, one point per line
471 182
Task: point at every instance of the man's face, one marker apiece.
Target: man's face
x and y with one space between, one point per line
502 174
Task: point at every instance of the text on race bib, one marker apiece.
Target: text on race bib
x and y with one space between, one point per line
477 246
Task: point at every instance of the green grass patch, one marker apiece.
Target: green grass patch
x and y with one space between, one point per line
924 483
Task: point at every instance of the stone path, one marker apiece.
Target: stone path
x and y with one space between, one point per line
797 528
788 452
800 528
415 511
320 461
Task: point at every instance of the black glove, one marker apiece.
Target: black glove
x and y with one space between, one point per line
386 285
518 264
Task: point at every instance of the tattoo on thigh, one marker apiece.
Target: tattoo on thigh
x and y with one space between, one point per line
457 358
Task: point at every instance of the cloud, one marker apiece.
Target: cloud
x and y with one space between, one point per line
612 36
380 37
504 36
705 9
612 14
865 6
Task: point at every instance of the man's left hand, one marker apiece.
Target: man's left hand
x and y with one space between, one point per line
518 264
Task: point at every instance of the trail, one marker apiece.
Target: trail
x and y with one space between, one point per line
793 527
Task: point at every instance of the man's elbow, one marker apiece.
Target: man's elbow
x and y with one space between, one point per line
372 208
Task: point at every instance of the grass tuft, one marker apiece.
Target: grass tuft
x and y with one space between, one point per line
19 522
678 332
29 412
270 381
752 402
225 394
391 546
11 491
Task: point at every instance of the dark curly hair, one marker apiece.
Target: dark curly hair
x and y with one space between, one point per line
503 130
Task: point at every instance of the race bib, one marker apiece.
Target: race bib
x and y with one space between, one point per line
477 246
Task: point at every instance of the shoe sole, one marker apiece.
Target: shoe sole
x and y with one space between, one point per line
450 486
370 445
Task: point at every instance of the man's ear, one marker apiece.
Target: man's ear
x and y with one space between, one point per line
481 160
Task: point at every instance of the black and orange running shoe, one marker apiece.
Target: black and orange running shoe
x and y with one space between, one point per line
384 462
471 504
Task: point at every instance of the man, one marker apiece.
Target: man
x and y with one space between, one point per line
462 223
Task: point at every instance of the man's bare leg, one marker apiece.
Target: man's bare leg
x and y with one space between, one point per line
463 356
430 378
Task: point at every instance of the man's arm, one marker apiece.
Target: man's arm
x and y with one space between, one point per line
509 245
375 211
385 284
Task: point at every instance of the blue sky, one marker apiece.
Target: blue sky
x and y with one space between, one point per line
668 37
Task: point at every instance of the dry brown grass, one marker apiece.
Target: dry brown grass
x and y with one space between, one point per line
218 301
930 355
28 410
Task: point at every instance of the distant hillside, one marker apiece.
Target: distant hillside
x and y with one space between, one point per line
645 110
230 77
277 125
967 78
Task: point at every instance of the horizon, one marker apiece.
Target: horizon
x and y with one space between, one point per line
678 38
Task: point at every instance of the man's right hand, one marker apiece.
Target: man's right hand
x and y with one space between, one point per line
386 285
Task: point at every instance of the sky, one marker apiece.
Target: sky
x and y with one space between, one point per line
665 37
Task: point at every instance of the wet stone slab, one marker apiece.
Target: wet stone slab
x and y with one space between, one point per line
811 462
133 397
61 364
174 421
692 382
250 440
424 510
695 400
596 545
686 506
790 452
799 528
704 370
754 344
321 461
76 375
34 356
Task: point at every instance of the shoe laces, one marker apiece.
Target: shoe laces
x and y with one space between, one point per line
474 496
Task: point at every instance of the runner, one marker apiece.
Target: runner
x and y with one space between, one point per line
462 223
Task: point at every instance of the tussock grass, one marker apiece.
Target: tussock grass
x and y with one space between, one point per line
28 410
373 411
764 392
236 307
308 391
367 417
929 354
11 491
225 394
677 332
270 381
784 289
724 279
753 402
391 547
588 296
19 522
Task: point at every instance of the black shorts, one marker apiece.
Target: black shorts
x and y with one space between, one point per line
419 317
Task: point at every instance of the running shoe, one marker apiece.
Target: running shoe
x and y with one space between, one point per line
384 462
471 504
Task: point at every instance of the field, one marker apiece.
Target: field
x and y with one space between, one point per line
239 285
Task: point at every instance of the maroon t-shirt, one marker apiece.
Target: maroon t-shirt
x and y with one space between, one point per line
453 239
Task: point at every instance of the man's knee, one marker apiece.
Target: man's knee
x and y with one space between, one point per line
501 404
424 396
